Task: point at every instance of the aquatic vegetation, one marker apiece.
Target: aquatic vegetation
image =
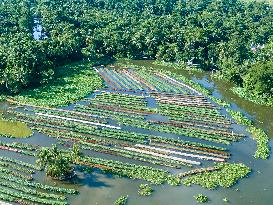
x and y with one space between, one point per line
153 175
122 200
145 190
263 149
239 117
18 184
75 82
178 131
18 162
14 129
200 198
184 110
227 175
256 98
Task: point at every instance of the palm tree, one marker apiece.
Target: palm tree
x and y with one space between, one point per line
57 163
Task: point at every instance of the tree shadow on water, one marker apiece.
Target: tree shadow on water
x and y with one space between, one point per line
92 180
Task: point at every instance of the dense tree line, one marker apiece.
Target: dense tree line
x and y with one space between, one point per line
231 36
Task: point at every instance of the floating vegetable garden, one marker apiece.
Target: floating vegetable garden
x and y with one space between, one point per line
148 124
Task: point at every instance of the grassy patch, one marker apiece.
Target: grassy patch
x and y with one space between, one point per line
72 83
14 129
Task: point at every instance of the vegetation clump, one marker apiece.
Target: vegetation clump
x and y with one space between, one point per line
262 139
200 198
226 176
145 190
71 84
122 200
263 150
239 117
13 129
57 163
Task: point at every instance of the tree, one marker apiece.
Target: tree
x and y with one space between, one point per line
56 163
259 78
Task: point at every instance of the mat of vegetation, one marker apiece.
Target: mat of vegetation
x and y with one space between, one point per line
226 176
14 129
74 83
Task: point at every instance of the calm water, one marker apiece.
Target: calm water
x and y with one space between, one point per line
101 189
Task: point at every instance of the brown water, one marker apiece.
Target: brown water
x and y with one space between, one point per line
103 189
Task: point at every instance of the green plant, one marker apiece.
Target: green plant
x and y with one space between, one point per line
56 163
200 198
226 176
122 200
145 190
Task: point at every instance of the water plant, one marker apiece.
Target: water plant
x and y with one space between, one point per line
200 198
263 150
226 176
122 200
145 190
71 84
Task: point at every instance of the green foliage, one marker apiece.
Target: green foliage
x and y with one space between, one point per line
133 171
262 99
259 79
73 83
122 200
226 35
226 176
200 198
263 150
56 163
145 190
239 117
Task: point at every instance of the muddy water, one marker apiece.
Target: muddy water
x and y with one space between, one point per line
102 189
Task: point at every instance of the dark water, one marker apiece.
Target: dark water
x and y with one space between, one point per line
101 189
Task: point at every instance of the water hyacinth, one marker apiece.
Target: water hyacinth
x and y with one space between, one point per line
76 82
122 200
263 150
200 198
226 176
145 190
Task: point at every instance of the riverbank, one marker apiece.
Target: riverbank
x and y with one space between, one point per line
257 99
